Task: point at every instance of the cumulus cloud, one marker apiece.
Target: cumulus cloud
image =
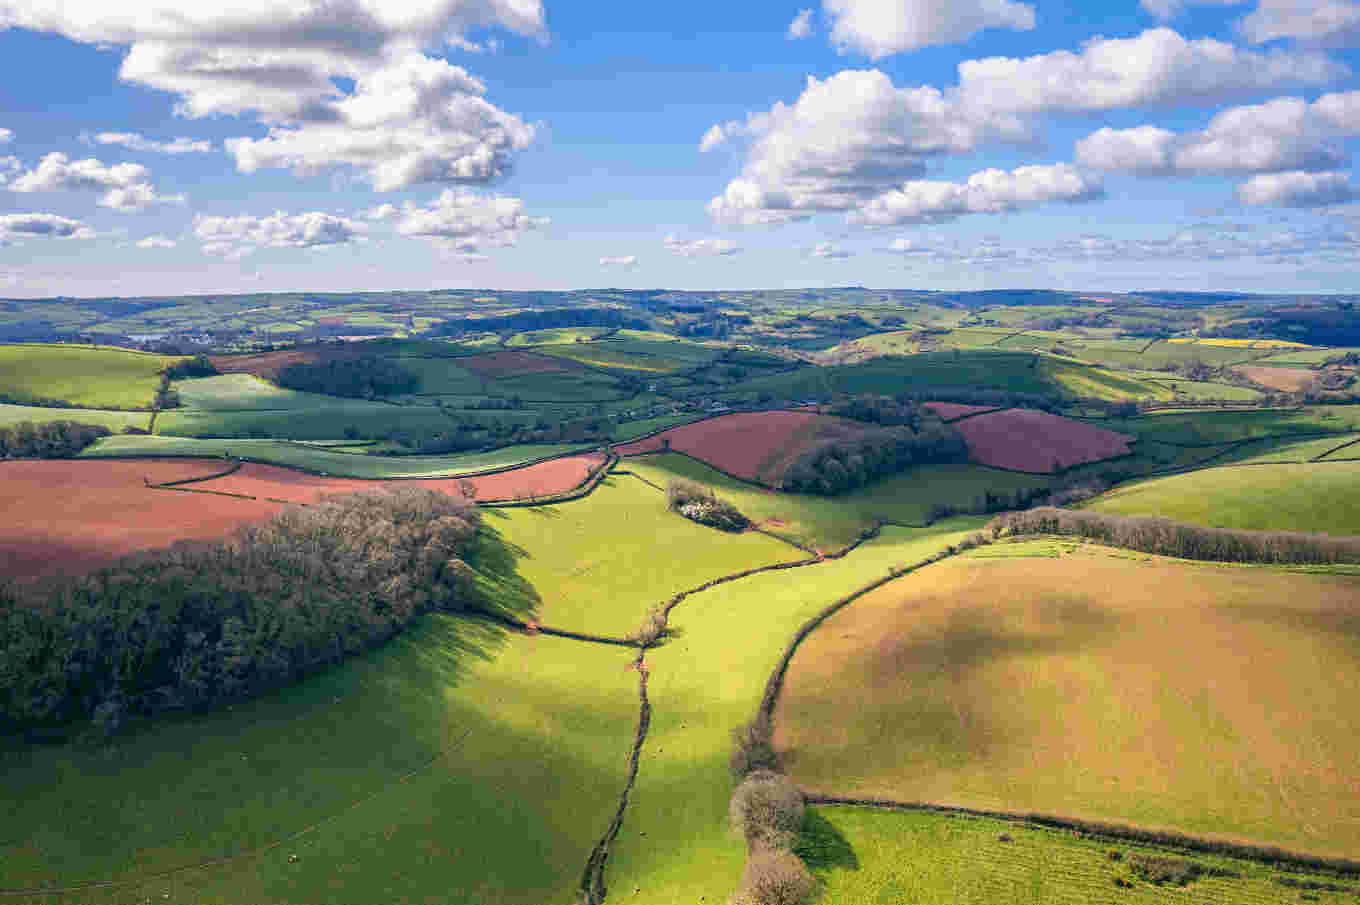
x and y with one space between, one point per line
985 192
878 28
801 26
410 119
1297 189
237 236
156 242
14 227
381 212
701 248
6 135
627 262
1282 134
1329 22
135 142
829 251
125 185
468 222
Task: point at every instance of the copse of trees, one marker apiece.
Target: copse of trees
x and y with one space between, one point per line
838 465
1169 538
52 440
194 626
198 366
363 377
699 504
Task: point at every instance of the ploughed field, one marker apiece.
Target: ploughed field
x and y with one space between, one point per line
1028 440
1077 680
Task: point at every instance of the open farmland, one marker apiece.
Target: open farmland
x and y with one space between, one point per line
113 420
1209 699
91 376
1321 497
635 355
329 421
244 392
1029 440
510 364
269 364
1288 380
953 411
63 517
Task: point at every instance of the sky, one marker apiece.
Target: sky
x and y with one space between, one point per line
155 148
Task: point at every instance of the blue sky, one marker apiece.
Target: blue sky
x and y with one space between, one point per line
156 148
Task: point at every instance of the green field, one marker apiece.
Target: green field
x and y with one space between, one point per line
641 356
91 376
312 457
1207 428
874 855
442 376
328 422
1320 497
1098 383
244 392
114 421
630 430
1306 358
557 335
1094 683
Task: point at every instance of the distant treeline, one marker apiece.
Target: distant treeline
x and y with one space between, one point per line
365 377
975 396
194 626
838 465
1169 538
468 433
542 320
52 440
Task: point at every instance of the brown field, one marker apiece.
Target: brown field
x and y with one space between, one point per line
269 364
950 411
1289 380
1215 700
508 364
65 516
1029 440
271 481
756 446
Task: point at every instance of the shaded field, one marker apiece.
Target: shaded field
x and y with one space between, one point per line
551 477
114 421
65 516
1034 441
1206 428
97 377
1207 699
1089 382
984 369
510 363
831 522
1322 497
311 457
871 855
631 429
328 420
482 765
242 391
269 364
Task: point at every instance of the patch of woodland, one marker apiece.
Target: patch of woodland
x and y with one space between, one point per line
467 432
700 504
1164 537
838 464
1065 492
51 440
198 366
364 377
195 626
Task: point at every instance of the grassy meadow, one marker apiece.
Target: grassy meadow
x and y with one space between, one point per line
92 376
114 421
325 421
1214 700
244 392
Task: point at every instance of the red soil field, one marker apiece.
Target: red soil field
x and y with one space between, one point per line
508 364
1029 440
1287 379
553 476
757 446
950 411
269 364
66 517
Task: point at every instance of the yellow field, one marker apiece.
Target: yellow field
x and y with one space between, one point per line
1241 343
1211 699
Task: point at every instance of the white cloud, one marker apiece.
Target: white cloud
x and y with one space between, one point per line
878 28
987 252
41 226
701 248
1297 189
136 142
1141 149
418 120
1158 67
1169 9
125 185
156 242
1330 22
986 192
801 26
234 237
829 251
625 261
6 135
381 212
468 222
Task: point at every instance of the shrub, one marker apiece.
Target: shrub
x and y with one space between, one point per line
767 809
753 747
698 504
775 878
653 627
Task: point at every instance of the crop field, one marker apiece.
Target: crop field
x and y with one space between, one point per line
1306 357
952 411
983 369
114 421
314 458
323 422
1210 699
1319 497
1242 343
1029 440
1285 449
1098 383
63 517
635 355
554 335
92 376
453 764
869 854
1290 380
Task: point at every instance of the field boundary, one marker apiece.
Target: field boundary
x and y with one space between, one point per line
232 469
1172 839
584 488
1335 449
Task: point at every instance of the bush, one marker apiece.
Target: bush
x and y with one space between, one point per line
653 627
698 504
775 878
753 748
767 809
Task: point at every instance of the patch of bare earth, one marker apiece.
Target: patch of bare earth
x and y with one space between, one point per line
1289 380
951 411
1034 441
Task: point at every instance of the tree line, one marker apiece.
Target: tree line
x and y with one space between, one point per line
364 377
837 465
52 440
699 504
194 626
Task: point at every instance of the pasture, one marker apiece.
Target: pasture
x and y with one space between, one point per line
643 356
114 421
89 376
1207 428
243 392
1318 497
328 420
1214 700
